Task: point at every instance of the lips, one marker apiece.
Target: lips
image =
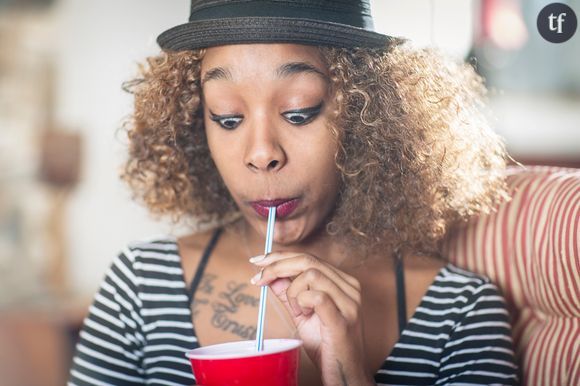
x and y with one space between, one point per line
284 206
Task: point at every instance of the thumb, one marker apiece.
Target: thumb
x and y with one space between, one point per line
279 287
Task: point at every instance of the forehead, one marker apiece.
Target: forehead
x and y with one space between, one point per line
243 59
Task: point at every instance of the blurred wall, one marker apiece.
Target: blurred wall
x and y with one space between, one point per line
99 45
447 24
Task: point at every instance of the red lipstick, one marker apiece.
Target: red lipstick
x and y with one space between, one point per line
284 206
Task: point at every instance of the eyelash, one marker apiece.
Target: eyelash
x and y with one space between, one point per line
308 115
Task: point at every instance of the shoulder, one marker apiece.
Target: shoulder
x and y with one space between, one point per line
480 347
152 247
460 281
475 296
456 277
142 259
159 250
192 247
195 242
453 293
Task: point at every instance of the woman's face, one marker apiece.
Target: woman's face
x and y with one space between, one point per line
266 108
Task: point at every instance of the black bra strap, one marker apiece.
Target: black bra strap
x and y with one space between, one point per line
401 297
203 263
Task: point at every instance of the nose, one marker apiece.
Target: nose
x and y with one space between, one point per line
264 152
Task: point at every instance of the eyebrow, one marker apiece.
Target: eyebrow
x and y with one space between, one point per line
289 69
217 73
284 71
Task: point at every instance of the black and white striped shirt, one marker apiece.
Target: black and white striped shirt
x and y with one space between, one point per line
140 326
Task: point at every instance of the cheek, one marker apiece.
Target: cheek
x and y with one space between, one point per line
319 163
212 143
217 143
220 154
331 177
330 170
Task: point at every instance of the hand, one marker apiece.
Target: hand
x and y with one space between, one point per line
325 305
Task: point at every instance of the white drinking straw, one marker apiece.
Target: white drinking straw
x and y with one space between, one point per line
264 288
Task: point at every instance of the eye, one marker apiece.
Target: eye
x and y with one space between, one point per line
228 122
302 116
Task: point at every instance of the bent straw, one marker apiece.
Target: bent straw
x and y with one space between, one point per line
264 288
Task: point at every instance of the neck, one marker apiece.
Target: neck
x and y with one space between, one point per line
322 245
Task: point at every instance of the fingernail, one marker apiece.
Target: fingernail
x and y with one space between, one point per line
255 259
256 277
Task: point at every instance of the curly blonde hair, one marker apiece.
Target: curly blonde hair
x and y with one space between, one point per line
416 152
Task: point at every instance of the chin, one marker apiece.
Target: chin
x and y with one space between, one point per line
289 233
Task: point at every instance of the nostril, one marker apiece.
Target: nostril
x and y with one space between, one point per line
273 164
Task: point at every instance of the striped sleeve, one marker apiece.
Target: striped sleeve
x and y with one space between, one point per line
480 350
109 351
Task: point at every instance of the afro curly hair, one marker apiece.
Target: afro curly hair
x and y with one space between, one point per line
416 153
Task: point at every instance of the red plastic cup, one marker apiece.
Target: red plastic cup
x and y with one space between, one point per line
238 363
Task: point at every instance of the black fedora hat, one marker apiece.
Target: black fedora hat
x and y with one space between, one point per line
340 23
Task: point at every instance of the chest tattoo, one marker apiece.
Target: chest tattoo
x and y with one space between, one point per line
226 306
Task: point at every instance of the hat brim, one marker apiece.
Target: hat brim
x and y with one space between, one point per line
240 30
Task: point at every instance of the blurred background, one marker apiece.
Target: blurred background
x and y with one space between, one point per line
64 214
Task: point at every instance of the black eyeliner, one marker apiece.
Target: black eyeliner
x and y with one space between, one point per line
215 117
306 110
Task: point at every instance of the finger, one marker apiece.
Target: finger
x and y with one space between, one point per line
315 280
321 303
292 267
279 287
265 260
273 256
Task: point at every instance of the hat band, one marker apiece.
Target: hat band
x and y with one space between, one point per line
267 8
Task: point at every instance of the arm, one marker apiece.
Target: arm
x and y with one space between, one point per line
480 348
110 344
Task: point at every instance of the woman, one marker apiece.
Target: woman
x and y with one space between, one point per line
369 149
